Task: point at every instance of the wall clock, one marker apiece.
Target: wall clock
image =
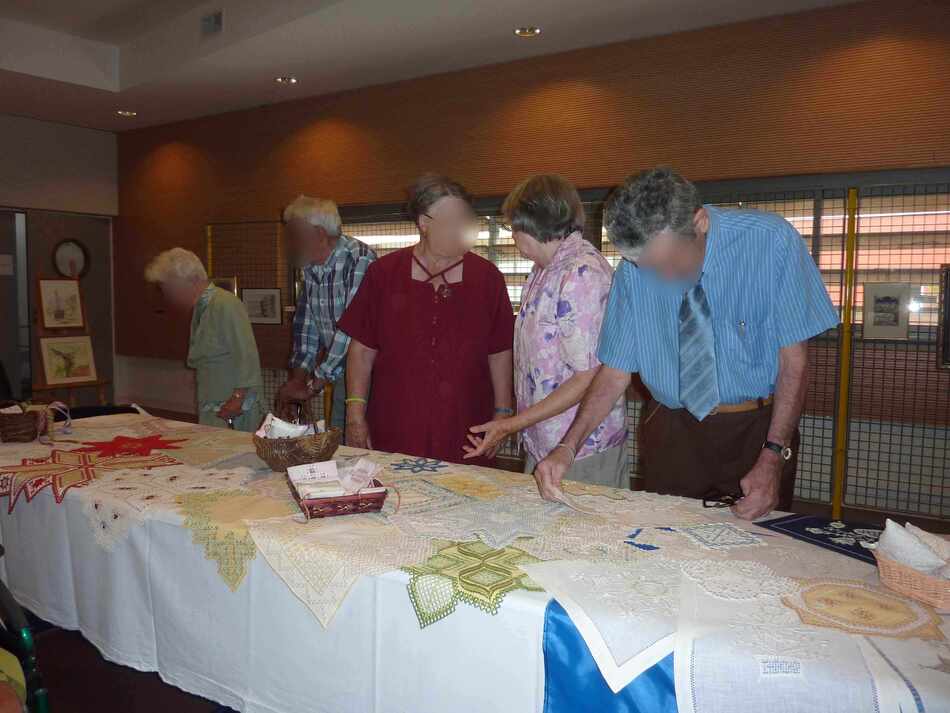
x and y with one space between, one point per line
71 258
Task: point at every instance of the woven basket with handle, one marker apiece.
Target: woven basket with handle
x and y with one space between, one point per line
19 427
282 453
912 583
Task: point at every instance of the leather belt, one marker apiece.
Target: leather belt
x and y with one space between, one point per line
752 405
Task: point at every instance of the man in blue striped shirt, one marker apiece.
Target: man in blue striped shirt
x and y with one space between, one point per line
713 309
333 267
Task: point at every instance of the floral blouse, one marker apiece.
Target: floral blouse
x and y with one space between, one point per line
556 335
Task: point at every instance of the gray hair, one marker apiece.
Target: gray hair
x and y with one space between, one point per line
319 212
648 204
176 264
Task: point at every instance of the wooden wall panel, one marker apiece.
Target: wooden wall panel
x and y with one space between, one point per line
858 87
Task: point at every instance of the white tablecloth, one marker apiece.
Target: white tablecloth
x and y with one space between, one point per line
156 604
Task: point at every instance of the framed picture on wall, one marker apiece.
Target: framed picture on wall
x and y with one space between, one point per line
263 305
61 304
226 283
887 310
67 360
943 320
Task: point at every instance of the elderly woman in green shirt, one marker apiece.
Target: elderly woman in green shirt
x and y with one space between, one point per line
222 349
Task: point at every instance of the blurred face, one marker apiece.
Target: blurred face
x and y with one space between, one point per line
533 249
304 241
449 226
676 257
179 294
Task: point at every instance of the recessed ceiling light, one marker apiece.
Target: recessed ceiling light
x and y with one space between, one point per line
527 32
285 80
127 113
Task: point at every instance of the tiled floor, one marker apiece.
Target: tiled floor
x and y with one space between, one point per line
79 680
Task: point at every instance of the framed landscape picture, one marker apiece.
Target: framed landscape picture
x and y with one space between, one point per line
943 320
61 304
886 310
67 360
263 305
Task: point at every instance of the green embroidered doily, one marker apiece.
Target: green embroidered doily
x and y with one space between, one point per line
470 572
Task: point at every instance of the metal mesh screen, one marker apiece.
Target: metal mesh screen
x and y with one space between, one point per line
898 453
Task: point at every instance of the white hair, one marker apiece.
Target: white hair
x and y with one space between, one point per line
178 264
320 212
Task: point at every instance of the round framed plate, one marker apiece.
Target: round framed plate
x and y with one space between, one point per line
71 258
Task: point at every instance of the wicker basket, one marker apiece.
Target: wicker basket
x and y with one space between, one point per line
282 453
905 580
19 427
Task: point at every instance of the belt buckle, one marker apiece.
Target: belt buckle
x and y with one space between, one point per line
714 411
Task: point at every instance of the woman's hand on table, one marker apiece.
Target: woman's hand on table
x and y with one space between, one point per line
494 434
550 472
357 432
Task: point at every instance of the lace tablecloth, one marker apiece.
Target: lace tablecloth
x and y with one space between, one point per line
145 534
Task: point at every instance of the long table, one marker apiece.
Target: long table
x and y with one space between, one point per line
152 598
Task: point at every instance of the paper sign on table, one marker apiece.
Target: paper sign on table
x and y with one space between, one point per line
313 472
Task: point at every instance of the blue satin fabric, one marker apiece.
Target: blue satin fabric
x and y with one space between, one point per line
573 683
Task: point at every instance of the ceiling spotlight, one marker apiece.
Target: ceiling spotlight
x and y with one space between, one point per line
127 113
527 32
285 80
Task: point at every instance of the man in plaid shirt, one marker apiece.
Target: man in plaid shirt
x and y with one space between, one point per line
333 267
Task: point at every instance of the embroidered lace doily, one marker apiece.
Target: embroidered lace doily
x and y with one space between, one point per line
321 560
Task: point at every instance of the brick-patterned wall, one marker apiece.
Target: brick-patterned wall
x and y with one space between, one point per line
856 87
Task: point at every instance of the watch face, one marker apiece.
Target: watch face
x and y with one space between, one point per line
71 259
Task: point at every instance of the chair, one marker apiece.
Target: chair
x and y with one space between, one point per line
16 637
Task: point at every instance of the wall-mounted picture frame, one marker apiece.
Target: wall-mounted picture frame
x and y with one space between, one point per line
943 320
71 258
61 304
226 283
68 360
886 311
263 305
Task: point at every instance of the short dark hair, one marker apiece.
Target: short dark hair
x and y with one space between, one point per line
430 188
546 207
649 203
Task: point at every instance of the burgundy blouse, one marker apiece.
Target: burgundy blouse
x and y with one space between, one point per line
430 379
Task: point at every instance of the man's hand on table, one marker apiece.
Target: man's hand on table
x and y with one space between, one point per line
551 471
760 487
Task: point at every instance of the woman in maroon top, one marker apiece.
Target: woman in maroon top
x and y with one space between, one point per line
432 329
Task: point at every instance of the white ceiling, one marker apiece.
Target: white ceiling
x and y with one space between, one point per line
77 61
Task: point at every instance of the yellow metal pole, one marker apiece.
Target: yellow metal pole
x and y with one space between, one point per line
208 250
844 373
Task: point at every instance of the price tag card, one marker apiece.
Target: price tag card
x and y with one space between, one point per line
313 472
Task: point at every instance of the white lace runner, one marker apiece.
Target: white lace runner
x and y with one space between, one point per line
755 654
497 523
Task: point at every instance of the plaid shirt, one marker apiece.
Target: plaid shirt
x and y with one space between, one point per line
328 290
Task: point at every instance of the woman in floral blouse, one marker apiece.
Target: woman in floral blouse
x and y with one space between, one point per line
556 335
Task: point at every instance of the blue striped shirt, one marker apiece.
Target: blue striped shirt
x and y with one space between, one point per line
765 293
328 290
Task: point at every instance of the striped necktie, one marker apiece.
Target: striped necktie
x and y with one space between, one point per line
699 385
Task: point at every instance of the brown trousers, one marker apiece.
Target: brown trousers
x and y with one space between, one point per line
682 456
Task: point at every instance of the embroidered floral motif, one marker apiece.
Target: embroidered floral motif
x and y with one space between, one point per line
419 465
126 446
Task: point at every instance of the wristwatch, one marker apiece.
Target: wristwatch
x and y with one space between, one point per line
783 451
